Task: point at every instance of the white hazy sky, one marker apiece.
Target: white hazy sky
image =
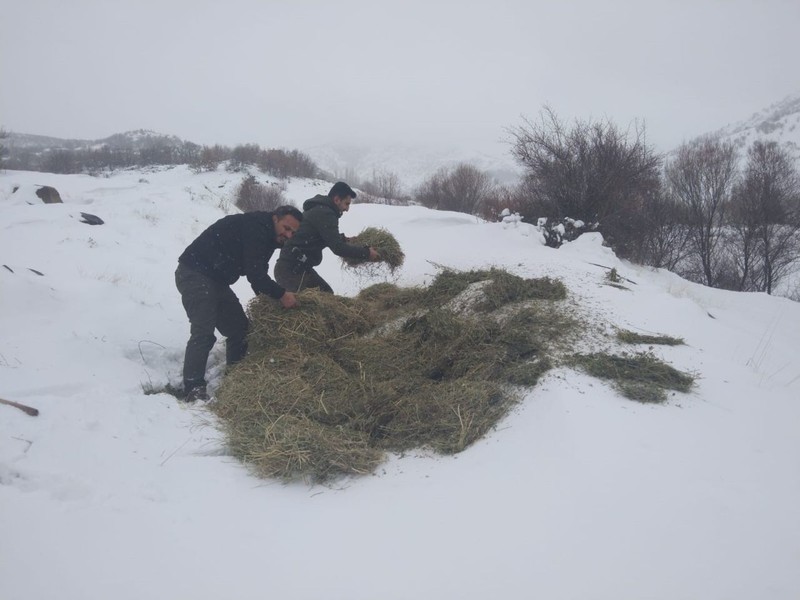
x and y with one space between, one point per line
306 72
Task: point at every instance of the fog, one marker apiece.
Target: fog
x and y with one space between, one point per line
301 73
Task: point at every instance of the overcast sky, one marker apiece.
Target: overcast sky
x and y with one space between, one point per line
285 73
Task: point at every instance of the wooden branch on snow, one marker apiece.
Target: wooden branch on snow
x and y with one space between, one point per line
26 409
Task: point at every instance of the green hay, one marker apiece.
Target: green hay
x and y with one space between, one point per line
631 337
641 377
503 288
328 387
385 244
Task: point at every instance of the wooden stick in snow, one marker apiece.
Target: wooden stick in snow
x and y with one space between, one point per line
27 409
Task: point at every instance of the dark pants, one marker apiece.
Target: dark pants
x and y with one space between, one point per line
293 277
209 305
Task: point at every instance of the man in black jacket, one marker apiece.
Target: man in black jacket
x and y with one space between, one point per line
294 269
235 245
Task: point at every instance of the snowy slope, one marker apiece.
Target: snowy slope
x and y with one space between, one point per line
111 493
779 122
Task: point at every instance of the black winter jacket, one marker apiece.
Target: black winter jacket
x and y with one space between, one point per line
237 245
319 229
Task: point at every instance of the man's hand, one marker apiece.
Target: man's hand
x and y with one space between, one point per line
288 300
373 255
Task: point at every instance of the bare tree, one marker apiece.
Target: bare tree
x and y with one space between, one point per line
702 177
243 155
384 184
3 151
286 163
592 171
61 161
665 239
210 157
766 216
462 189
252 196
507 198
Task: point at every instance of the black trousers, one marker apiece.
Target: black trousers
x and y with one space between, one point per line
293 277
210 306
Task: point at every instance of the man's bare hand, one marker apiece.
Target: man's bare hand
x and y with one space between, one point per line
288 300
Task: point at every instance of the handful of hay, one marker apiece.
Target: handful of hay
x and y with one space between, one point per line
385 245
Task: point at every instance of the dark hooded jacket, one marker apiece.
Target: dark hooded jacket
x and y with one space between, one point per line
319 229
237 245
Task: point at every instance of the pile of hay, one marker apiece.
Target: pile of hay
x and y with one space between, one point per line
328 387
385 244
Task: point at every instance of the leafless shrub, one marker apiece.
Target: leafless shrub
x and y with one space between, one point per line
252 196
462 189
209 158
384 187
3 151
591 171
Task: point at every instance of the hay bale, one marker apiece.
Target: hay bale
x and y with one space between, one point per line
385 244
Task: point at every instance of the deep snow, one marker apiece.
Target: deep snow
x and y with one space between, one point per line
580 493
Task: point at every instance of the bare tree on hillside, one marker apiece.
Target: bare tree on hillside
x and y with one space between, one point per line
462 189
665 239
286 163
592 171
210 157
243 155
507 198
3 151
61 161
384 184
252 196
766 216
701 178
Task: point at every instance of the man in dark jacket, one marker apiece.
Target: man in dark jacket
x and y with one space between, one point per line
235 245
294 269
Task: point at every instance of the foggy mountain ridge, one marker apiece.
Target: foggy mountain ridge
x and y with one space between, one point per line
135 140
779 122
414 163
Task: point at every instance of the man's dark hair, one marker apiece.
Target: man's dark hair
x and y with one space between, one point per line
285 210
341 190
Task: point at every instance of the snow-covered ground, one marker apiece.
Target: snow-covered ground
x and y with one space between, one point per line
579 494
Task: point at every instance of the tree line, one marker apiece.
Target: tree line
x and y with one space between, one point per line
707 212
277 162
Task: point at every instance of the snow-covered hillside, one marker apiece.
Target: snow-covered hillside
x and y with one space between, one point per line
580 493
779 122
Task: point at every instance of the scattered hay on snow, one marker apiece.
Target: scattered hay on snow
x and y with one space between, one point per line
638 376
328 387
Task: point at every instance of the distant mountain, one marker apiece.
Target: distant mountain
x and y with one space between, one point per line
412 164
779 122
136 140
